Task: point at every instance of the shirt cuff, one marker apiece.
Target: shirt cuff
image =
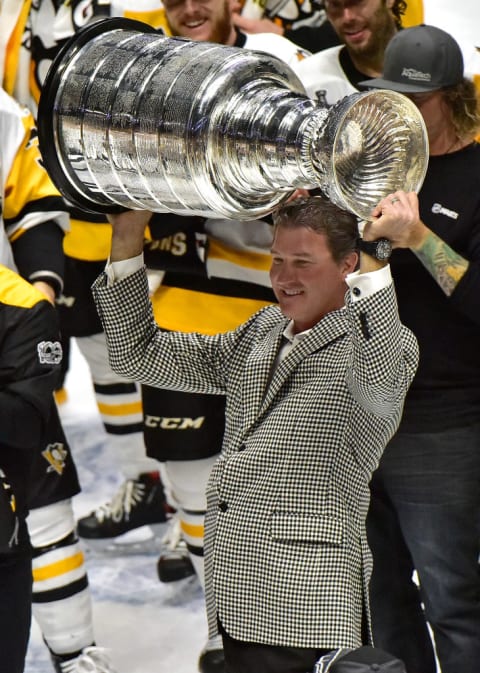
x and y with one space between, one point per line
365 284
118 270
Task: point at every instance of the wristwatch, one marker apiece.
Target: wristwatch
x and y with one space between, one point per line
381 249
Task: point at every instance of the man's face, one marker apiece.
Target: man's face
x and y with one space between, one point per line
434 110
200 20
307 282
365 26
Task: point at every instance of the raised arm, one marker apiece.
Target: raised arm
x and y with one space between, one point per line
397 218
128 234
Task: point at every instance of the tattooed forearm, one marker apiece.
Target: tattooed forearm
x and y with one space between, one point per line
445 265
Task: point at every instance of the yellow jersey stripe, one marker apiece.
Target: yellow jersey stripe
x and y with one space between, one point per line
120 409
191 529
190 311
413 14
15 291
255 260
58 568
88 241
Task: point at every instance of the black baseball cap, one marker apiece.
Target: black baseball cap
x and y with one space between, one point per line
418 60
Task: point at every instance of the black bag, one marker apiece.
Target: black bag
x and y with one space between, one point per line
362 660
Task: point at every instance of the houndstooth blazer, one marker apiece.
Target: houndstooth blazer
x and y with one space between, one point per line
287 562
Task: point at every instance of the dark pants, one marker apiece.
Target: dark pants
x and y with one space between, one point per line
424 515
15 607
243 657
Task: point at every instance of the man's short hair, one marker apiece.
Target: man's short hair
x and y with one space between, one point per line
317 213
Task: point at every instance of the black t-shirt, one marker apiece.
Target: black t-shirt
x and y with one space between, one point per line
353 75
446 390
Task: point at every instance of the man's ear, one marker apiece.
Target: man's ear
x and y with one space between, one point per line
390 4
350 263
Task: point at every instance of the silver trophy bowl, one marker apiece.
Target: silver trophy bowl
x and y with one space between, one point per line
131 119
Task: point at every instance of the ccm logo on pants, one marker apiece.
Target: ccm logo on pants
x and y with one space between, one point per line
174 423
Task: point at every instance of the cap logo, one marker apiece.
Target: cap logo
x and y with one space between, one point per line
416 75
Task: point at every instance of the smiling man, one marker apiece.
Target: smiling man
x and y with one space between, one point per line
365 27
314 390
212 21
304 260
201 20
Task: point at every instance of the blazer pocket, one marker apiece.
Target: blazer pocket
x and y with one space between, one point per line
300 527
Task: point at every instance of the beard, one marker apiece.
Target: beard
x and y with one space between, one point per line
220 29
382 28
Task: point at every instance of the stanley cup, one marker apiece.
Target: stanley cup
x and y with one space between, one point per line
129 118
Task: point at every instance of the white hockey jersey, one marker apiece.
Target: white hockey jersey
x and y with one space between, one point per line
323 76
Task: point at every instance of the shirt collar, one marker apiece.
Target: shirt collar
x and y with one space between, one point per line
289 333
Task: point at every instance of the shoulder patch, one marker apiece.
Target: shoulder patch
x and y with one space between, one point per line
49 352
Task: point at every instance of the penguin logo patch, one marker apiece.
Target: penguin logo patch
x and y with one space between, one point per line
55 455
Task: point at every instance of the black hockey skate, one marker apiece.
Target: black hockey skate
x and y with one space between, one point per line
137 503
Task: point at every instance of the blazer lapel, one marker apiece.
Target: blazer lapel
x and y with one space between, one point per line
330 328
258 373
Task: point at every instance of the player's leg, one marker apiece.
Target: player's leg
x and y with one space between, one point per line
140 499
61 601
